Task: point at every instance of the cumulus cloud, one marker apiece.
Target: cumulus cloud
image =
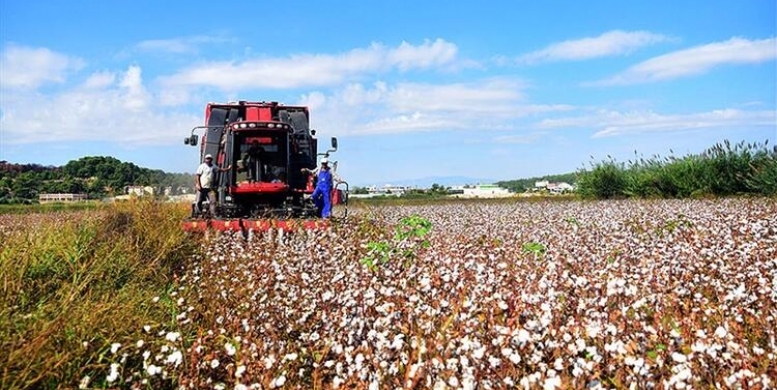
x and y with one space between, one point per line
30 67
696 60
114 107
314 70
615 123
407 107
611 43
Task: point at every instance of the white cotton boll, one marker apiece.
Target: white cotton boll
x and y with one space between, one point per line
479 353
720 332
113 374
230 349
279 381
153 370
326 296
551 383
175 358
580 344
678 357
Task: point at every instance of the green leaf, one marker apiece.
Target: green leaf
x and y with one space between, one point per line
533 247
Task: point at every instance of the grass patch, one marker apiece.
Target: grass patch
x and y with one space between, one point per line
49 207
722 170
72 286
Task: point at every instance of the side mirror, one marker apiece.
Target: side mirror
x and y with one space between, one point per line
186 141
334 143
193 140
312 131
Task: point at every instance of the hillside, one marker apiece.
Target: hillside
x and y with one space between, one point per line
97 176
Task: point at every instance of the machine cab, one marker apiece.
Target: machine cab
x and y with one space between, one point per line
259 153
262 157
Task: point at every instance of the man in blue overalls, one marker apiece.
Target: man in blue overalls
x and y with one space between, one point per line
322 195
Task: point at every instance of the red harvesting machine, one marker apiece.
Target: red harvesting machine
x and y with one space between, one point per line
267 190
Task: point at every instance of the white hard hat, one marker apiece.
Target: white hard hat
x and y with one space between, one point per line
208 156
325 161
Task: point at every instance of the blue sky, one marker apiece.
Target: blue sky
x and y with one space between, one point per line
494 90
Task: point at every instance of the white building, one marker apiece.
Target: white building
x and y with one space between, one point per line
388 189
139 190
560 188
553 188
61 198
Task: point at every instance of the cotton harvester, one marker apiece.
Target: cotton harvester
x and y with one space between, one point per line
262 148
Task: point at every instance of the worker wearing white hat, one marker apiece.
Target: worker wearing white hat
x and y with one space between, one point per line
322 195
204 182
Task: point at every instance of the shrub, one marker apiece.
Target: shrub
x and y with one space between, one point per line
76 283
721 170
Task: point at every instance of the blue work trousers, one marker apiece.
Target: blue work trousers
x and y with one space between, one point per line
322 196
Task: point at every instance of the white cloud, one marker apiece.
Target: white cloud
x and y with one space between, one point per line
106 107
696 60
23 67
100 80
179 45
608 44
314 70
615 123
406 107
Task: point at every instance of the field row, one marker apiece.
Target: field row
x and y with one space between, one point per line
653 294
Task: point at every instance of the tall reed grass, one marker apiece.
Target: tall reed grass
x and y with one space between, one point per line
78 284
723 170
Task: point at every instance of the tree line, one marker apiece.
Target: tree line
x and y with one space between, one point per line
96 176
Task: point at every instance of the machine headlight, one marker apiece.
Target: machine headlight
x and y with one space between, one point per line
243 125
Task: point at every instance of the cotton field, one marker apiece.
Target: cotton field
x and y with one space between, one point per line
551 295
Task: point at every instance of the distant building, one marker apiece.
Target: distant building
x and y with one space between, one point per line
553 188
139 190
63 198
560 188
483 191
388 189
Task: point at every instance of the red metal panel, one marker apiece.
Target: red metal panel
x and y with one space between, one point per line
265 114
260 188
226 224
195 226
257 224
252 114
